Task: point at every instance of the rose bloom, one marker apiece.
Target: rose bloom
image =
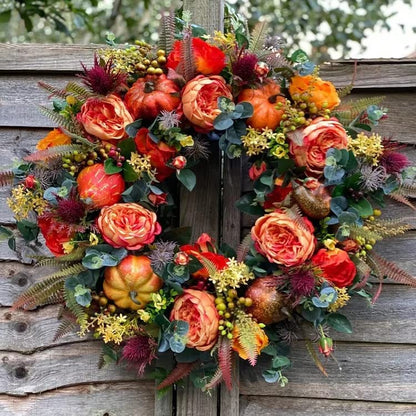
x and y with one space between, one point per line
209 60
322 93
256 170
105 118
55 233
261 342
336 266
281 240
199 100
317 138
159 153
128 225
198 309
53 138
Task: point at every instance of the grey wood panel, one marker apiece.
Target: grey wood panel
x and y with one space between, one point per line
272 406
110 399
370 372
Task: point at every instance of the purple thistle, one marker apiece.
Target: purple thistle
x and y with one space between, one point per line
70 210
162 254
372 178
394 162
101 79
244 67
139 352
302 283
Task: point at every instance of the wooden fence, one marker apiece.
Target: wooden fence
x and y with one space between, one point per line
41 377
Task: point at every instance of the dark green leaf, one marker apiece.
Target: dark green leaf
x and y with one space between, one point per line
28 229
133 128
111 167
339 322
5 233
363 206
187 178
280 361
223 122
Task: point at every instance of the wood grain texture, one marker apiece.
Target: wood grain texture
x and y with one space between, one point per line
272 406
370 372
110 399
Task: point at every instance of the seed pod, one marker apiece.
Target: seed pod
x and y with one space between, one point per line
312 198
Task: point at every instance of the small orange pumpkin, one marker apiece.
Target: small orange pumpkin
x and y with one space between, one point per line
131 283
264 100
148 96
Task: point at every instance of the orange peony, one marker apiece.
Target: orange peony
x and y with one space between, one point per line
105 118
209 60
55 233
316 139
262 341
281 240
336 266
199 100
160 153
322 93
198 309
53 138
128 225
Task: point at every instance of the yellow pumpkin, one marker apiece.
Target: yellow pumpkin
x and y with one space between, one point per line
131 283
264 101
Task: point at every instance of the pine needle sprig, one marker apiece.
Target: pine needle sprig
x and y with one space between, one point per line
39 293
180 371
167 32
6 178
258 37
53 153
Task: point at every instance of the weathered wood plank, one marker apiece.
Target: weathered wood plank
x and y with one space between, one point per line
111 399
389 369
271 406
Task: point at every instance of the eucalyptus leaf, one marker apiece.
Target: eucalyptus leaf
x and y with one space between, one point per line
187 178
339 322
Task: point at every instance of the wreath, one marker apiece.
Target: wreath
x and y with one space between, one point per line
101 190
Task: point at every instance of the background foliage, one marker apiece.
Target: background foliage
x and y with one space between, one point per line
329 26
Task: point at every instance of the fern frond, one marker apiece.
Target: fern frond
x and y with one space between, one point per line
214 381
363 271
368 234
54 92
225 361
78 91
55 298
75 308
344 91
244 247
60 120
167 32
247 336
386 268
315 358
6 178
209 265
180 371
67 325
347 112
53 153
258 37
278 63
79 138
398 197
296 215
75 255
187 57
47 288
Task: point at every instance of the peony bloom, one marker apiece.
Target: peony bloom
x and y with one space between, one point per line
317 138
336 266
159 153
56 234
199 100
261 340
53 138
128 225
209 60
322 93
105 118
282 240
198 309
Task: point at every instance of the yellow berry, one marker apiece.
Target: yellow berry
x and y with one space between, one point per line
377 212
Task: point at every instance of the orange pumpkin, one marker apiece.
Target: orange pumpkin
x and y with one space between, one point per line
148 96
131 283
98 188
264 100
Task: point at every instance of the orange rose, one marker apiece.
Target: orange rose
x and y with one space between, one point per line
322 93
209 60
53 138
336 266
159 153
105 118
198 309
282 241
199 100
317 138
261 342
128 225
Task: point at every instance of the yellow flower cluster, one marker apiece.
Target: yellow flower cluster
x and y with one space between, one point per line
342 299
24 200
256 141
141 164
278 146
112 328
234 275
224 41
368 147
185 140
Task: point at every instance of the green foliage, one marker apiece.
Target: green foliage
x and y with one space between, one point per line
54 152
103 255
76 309
60 120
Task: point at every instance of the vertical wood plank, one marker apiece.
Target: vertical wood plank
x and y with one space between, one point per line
200 208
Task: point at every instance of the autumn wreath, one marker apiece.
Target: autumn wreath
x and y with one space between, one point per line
100 190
